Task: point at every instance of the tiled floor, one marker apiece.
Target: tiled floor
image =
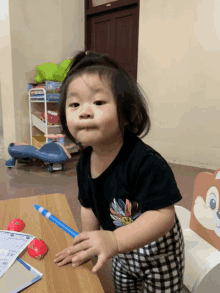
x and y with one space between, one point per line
25 180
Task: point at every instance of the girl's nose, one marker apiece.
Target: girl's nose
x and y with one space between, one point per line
86 111
85 116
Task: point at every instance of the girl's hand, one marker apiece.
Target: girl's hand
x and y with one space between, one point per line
86 245
63 257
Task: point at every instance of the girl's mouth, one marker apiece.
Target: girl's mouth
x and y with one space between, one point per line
87 128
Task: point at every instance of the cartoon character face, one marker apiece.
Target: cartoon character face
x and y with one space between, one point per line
50 88
205 216
57 89
206 211
126 220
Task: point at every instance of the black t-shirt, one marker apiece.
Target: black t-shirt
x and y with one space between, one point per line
138 180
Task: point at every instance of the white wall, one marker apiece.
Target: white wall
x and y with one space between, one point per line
4 40
40 31
178 68
7 113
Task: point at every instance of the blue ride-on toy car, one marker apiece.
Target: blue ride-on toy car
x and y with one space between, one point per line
52 153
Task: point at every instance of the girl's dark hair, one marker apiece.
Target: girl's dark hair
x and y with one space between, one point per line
132 109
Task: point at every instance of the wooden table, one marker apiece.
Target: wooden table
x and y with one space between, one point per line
55 279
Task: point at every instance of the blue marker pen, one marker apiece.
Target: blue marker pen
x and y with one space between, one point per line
56 221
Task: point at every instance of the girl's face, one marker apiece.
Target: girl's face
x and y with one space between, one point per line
91 114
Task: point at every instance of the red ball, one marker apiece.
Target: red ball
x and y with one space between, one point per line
16 225
37 249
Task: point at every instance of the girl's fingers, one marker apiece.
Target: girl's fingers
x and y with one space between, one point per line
58 259
64 257
62 261
65 250
60 256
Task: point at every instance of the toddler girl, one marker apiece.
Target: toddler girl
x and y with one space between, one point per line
125 186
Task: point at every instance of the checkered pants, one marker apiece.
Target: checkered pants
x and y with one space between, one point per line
158 266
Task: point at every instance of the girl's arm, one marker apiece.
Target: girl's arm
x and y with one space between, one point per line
88 220
147 228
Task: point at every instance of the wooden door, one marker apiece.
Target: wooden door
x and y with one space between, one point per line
115 32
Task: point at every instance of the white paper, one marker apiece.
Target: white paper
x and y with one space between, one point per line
18 277
11 245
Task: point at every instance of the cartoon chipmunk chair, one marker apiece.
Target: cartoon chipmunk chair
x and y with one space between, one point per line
201 230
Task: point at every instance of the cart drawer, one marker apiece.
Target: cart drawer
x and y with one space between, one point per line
38 123
38 141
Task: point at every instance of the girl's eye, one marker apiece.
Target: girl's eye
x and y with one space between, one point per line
99 102
73 104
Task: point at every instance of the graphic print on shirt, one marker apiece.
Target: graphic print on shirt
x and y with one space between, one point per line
123 214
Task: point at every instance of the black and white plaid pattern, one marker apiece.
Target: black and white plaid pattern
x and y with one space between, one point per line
158 266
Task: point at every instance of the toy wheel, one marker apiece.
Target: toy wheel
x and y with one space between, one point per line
64 168
23 160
